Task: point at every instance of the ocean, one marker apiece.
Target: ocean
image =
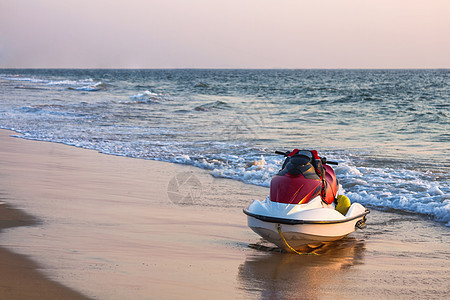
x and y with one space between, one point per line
388 129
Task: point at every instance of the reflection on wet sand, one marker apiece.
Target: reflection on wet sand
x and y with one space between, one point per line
272 274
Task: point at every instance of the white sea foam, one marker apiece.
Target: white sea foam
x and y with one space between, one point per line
92 87
408 190
70 82
149 97
21 78
81 84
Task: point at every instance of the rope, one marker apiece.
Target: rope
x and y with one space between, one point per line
289 246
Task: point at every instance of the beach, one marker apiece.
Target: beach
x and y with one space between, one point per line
81 224
19 276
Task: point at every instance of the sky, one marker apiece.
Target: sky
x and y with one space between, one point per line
224 34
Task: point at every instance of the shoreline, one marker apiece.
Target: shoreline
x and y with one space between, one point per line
113 227
20 276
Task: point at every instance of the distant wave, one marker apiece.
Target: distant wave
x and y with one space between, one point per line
149 97
70 82
98 86
212 106
201 85
21 78
81 85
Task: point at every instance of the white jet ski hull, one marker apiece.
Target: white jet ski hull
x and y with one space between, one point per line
302 225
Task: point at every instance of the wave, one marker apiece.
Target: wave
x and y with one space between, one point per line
212 106
149 97
202 85
98 86
21 78
30 88
407 190
70 82
87 84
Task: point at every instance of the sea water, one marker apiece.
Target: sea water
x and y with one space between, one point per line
388 129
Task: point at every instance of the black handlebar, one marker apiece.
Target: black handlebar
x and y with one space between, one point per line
282 153
324 159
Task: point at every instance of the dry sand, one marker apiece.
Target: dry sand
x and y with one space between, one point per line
117 228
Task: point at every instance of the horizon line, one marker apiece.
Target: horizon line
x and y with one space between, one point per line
218 68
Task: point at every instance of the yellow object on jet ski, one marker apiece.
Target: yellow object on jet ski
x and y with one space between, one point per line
343 204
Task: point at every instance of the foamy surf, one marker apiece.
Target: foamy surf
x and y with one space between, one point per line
87 84
149 97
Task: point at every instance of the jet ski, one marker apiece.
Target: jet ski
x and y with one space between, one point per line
304 208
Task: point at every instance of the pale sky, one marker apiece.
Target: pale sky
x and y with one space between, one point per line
225 33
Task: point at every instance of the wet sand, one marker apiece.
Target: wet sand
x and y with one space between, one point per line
121 228
19 276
